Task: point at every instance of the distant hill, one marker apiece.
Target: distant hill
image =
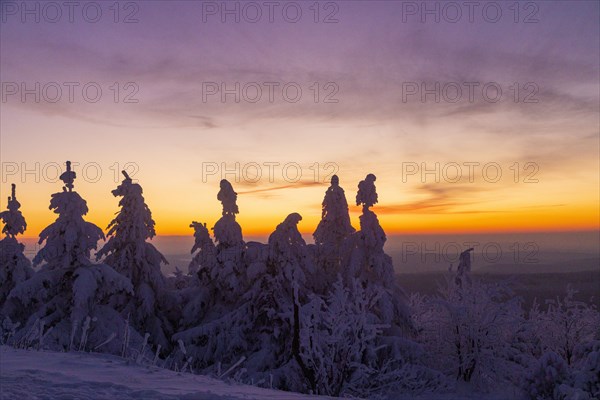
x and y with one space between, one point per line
529 286
575 265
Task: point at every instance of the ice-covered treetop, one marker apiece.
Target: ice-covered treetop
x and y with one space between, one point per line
228 198
335 221
335 181
127 187
13 220
228 233
201 236
133 222
287 232
68 202
367 194
69 239
334 195
288 249
68 177
13 204
291 220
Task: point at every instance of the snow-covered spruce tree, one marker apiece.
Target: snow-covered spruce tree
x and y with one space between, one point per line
332 231
230 246
70 293
278 300
129 253
199 294
218 314
205 258
14 266
395 363
219 268
365 259
353 339
253 331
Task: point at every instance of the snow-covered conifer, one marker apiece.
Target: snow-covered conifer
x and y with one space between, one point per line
366 260
205 258
278 298
14 266
230 246
333 229
217 316
257 322
228 232
367 194
129 253
69 292
203 270
14 222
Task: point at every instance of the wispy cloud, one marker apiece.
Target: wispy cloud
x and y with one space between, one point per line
297 185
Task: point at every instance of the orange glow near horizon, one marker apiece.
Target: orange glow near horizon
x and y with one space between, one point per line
175 221
558 202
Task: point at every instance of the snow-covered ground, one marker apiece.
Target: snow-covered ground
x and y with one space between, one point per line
28 375
48 375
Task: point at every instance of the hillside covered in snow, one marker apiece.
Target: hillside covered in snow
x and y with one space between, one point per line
30 374
52 375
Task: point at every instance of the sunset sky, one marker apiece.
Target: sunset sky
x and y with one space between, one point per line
368 61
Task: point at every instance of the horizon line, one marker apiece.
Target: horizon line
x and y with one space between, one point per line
415 233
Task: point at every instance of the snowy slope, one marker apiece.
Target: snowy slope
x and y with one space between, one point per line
27 375
49 375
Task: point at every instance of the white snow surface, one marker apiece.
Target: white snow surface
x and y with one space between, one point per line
45 375
28 375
